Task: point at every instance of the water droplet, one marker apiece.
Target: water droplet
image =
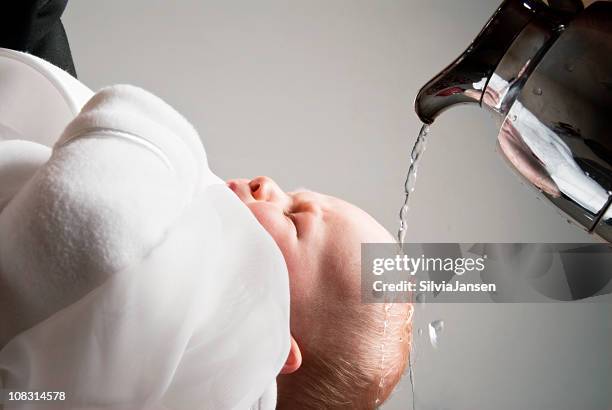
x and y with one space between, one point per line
420 298
435 330
514 117
537 91
569 67
420 332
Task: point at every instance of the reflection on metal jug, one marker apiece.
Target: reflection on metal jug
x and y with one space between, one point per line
544 68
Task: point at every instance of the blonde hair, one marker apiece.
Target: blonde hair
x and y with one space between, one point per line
355 364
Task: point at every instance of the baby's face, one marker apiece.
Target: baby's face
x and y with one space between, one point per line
320 237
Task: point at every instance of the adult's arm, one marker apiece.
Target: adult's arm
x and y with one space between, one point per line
34 26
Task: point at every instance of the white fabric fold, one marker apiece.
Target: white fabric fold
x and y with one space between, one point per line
37 99
132 277
19 161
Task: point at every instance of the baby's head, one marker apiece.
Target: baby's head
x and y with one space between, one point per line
344 353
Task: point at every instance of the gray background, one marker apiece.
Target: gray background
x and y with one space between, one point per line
319 94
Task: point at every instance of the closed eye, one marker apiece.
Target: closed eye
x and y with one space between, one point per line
291 217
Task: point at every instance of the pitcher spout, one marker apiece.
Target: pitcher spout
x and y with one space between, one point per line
466 78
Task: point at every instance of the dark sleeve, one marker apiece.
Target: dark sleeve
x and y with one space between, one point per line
34 26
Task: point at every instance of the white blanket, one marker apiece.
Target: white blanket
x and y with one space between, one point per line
130 275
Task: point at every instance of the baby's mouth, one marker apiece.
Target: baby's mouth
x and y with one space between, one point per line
233 185
236 187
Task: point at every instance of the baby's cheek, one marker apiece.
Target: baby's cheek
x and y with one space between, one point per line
273 221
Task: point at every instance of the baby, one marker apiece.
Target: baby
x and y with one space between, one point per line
341 356
109 196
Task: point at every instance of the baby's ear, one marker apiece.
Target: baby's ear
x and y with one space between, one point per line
294 360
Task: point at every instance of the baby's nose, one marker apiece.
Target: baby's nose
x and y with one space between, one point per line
265 189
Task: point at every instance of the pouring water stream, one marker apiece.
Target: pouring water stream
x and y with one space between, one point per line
409 186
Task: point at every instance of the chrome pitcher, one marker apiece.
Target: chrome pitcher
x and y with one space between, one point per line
544 68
